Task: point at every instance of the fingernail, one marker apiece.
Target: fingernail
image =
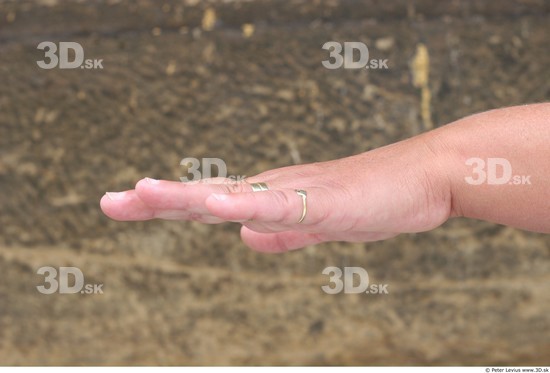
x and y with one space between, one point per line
219 197
151 181
116 196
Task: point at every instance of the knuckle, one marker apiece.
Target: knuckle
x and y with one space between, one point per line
285 203
232 186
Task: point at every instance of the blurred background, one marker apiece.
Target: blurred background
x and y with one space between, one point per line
243 81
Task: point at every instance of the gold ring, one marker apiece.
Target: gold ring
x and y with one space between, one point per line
303 194
259 187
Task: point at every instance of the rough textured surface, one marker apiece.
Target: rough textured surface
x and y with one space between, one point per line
183 293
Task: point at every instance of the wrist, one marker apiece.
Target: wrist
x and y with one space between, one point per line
441 167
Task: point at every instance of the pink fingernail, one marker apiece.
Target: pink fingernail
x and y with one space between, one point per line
152 181
116 196
219 197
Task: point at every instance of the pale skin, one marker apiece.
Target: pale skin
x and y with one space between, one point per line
411 186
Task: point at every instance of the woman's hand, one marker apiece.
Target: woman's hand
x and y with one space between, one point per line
411 186
372 196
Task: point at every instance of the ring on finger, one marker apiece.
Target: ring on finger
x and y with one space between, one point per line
303 194
259 187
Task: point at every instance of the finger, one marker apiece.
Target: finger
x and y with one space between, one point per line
125 206
191 197
278 242
283 206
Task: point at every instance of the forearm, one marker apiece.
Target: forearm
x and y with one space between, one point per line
470 149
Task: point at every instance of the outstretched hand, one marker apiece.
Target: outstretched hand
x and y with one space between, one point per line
372 196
